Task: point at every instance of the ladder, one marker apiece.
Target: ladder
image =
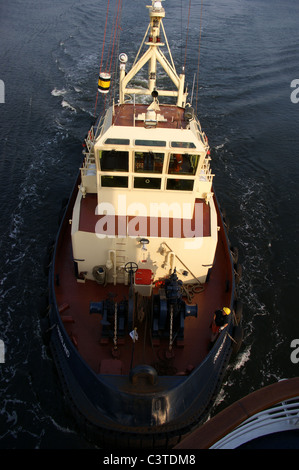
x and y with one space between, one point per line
121 257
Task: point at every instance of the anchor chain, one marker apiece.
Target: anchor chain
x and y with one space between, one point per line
171 328
115 327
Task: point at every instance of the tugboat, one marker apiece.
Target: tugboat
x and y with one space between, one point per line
141 263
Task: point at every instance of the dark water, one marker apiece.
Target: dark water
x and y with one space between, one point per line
50 54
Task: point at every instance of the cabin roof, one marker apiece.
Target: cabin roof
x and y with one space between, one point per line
127 122
173 116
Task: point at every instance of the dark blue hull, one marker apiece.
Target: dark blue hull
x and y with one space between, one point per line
112 410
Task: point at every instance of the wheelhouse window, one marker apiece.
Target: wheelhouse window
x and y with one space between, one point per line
112 141
147 183
183 163
108 181
150 143
148 162
179 184
114 160
185 145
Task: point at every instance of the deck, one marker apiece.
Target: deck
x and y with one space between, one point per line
89 219
73 300
127 114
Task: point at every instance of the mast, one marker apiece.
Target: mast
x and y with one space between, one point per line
152 56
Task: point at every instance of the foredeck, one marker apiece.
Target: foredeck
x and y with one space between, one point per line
73 300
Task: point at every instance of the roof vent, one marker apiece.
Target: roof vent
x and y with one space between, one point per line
150 118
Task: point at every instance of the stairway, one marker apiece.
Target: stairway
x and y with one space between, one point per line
120 247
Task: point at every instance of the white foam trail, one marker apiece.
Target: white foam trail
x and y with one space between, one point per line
57 92
65 104
242 358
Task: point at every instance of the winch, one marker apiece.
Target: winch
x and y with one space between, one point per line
111 313
168 315
170 310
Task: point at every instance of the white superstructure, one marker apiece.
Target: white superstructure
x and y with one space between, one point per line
146 179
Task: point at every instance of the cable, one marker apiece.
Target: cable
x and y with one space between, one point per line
198 56
107 12
187 34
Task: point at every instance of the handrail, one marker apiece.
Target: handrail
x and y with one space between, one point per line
283 417
233 416
193 275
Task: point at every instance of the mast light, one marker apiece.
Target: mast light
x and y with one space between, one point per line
157 5
156 9
123 58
